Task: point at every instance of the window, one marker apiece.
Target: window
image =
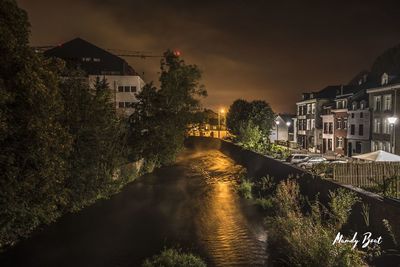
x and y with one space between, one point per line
308 124
128 104
362 105
387 102
339 105
339 142
325 127
354 106
121 104
86 59
313 108
127 88
352 129
312 124
133 89
377 125
377 103
339 123
331 127
386 126
352 115
96 59
120 88
361 129
361 115
384 79
299 110
329 144
345 123
308 108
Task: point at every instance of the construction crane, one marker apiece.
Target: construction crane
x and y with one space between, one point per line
117 52
128 53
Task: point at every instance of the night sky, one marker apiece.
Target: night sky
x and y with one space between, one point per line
271 50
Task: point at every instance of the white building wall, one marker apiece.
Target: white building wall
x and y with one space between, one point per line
115 82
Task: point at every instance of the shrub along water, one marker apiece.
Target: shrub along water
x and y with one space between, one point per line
174 258
297 238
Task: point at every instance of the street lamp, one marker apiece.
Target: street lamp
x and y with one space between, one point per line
221 111
288 123
392 121
277 130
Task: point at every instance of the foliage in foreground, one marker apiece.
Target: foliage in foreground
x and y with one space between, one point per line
298 239
174 258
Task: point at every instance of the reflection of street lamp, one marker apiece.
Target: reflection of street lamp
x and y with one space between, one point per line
221 111
392 121
277 130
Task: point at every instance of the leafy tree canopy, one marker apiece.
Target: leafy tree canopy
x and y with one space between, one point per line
241 112
157 127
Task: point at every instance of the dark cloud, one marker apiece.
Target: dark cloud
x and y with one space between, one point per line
271 50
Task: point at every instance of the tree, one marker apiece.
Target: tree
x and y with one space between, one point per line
242 112
158 124
238 113
33 142
98 147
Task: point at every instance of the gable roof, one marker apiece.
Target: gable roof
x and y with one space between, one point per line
92 59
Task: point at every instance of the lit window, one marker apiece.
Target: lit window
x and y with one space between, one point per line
386 126
377 125
86 59
387 102
377 103
339 142
96 59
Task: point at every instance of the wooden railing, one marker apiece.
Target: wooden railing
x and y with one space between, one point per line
380 177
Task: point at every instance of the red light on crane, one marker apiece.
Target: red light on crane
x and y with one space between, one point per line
177 53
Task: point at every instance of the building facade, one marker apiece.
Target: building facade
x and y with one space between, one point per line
383 104
96 63
359 121
309 120
284 129
328 129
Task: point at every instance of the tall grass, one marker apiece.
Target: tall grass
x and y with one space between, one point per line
297 238
174 258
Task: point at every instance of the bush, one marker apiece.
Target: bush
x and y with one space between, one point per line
245 188
265 203
174 258
296 239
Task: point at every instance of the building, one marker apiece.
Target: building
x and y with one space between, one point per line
384 110
284 130
96 62
328 128
359 121
309 121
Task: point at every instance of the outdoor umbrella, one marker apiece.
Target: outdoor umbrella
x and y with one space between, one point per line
378 155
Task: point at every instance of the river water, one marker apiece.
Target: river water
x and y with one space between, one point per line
192 205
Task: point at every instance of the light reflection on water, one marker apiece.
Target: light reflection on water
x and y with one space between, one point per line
226 234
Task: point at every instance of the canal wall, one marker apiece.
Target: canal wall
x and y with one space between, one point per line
258 165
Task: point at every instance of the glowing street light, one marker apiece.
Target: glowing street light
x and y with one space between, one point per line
392 121
288 123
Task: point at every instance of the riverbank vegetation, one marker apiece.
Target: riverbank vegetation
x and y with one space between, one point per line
62 145
301 231
174 258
